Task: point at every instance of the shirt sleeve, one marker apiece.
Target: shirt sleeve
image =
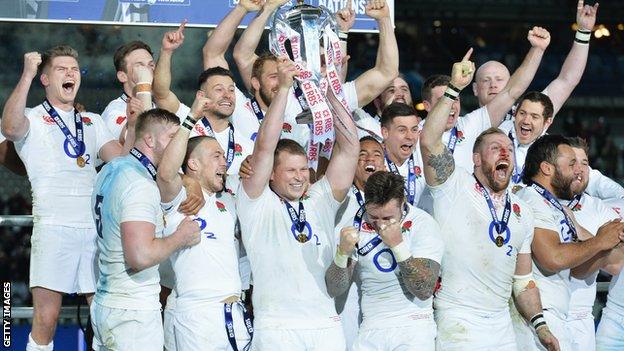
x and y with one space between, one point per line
529 227
474 123
425 238
542 213
103 134
173 205
603 187
350 95
115 119
141 203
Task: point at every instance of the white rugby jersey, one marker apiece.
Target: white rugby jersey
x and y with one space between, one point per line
207 272
554 286
368 124
385 299
289 276
615 298
476 274
128 193
61 189
419 176
591 213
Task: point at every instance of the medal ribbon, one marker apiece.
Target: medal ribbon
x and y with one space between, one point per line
151 169
231 145
229 324
75 142
452 140
410 190
124 97
374 242
501 225
255 106
297 219
357 220
575 202
553 201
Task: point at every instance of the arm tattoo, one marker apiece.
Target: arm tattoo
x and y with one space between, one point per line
420 276
338 279
443 164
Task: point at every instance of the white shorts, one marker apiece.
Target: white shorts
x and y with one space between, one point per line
116 329
203 328
583 333
610 334
464 330
328 339
63 259
420 335
349 307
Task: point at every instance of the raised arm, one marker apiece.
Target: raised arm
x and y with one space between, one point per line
219 40
438 160
603 187
527 298
269 132
372 82
574 65
161 89
339 275
554 256
14 123
245 49
168 178
341 168
521 78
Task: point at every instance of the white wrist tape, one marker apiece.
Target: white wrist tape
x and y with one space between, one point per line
341 260
582 36
401 252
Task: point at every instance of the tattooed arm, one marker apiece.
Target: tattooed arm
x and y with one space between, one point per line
338 280
419 276
338 275
439 163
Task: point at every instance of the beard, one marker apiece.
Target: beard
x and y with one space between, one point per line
494 184
219 114
265 96
562 186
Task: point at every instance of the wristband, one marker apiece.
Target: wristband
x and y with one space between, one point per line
343 35
401 252
451 92
582 36
340 260
189 123
538 321
143 88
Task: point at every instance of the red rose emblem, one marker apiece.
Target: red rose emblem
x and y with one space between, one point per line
220 206
199 129
516 209
238 149
47 119
617 210
417 171
120 119
460 135
286 128
407 225
87 121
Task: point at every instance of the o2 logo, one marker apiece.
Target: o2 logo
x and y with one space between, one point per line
384 261
69 151
202 225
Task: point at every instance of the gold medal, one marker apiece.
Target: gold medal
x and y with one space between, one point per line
516 188
499 241
302 238
80 161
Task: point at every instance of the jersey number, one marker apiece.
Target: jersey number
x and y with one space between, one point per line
98 214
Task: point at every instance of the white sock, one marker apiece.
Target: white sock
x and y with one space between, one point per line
33 346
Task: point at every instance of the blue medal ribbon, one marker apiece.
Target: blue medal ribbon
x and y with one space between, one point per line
210 132
299 223
299 95
410 190
145 161
516 177
255 106
452 140
502 225
357 220
575 202
76 142
553 201
229 324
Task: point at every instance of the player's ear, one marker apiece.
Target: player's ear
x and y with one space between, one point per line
122 76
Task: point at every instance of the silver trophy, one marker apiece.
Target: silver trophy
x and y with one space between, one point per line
307 23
